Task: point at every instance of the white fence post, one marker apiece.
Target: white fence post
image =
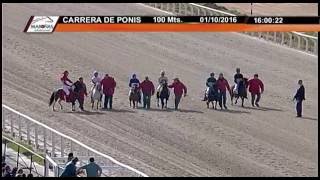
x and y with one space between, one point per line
299 42
62 147
28 134
11 127
36 136
44 140
19 127
53 144
307 44
3 121
291 39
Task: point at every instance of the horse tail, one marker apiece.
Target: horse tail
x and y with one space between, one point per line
52 98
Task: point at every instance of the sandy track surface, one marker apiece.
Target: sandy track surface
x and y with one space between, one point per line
275 9
195 141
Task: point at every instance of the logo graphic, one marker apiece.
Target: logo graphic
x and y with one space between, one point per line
41 24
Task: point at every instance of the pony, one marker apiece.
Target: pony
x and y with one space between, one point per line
59 94
213 95
242 92
96 94
134 96
163 94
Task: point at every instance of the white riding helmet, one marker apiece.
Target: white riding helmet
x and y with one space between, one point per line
162 72
95 72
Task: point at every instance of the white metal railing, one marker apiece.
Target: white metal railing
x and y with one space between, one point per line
7 140
293 39
55 144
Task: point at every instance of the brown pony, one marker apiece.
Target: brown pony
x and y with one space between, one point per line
60 94
134 96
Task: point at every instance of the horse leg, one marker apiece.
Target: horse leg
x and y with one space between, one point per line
130 102
73 105
158 101
60 104
215 107
162 103
232 100
208 104
236 100
242 100
166 103
54 104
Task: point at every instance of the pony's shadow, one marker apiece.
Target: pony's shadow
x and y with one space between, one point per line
190 111
262 108
118 110
158 109
233 111
86 112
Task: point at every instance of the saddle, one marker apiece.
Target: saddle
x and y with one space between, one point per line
69 97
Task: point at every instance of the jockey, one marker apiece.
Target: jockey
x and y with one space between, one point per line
211 82
135 83
237 78
95 79
66 83
162 80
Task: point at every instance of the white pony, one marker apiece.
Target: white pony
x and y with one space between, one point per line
96 94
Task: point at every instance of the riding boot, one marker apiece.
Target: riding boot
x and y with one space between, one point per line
205 98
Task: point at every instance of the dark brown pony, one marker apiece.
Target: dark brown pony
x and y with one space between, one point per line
242 92
163 95
59 94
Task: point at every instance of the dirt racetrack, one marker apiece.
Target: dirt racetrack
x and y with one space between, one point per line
196 141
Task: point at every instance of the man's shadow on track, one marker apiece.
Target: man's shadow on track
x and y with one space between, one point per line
309 118
261 108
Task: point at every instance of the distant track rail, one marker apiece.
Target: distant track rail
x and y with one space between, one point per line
295 40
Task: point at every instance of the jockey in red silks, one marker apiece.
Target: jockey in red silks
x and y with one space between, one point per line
66 83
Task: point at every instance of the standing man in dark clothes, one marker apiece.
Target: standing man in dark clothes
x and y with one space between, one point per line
237 78
70 170
299 97
255 85
178 88
147 89
108 86
223 86
81 90
70 157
